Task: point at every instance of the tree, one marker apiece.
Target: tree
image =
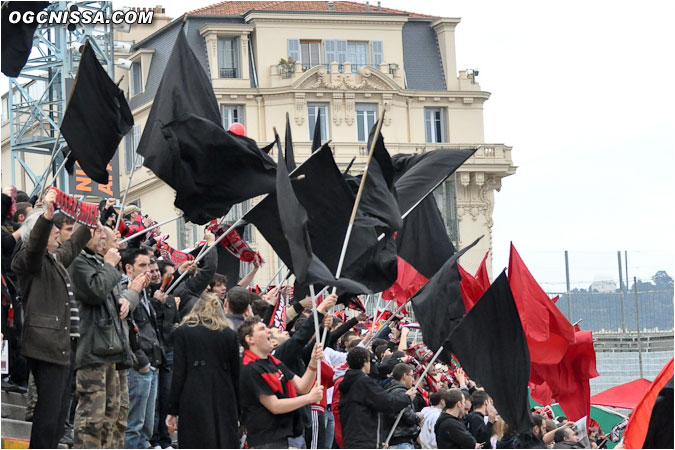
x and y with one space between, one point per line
663 281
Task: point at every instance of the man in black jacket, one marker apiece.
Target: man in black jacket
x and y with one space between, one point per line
166 311
450 430
482 407
50 317
191 288
408 428
149 352
361 402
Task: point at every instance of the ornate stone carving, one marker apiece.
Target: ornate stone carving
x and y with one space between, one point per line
349 108
337 108
386 100
300 108
366 78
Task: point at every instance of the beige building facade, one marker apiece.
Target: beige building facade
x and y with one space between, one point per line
349 61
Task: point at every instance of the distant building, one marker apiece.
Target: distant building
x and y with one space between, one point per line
603 283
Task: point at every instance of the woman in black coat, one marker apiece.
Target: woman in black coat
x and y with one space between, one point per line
204 399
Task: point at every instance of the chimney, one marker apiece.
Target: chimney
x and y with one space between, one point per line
379 6
367 6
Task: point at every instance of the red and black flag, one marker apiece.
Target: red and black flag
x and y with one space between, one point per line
184 143
307 268
423 243
423 247
491 346
438 305
548 331
96 119
17 38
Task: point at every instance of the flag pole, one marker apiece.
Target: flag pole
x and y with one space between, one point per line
60 168
316 330
390 319
281 267
201 250
200 257
45 174
419 381
126 191
145 230
345 243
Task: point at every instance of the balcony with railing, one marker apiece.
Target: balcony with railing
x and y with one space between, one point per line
229 72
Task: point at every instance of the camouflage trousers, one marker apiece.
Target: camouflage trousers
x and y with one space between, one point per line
98 405
120 425
32 398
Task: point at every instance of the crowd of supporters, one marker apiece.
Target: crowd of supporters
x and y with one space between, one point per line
111 359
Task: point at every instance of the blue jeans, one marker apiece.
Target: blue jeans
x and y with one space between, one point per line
402 445
297 442
142 398
330 428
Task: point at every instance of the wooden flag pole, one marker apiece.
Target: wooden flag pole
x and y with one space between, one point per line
419 381
145 230
200 257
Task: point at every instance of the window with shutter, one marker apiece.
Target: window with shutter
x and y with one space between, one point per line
294 49
136 79
130 144
378 56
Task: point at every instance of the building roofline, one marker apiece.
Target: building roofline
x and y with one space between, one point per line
175 22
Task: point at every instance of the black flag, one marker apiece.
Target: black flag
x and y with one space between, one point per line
96 119
378 198
491 346
307 268
290 155
368 261
213 169
316 140
418 175
184 143
17 38
438 305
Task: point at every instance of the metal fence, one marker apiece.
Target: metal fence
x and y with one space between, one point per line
617 311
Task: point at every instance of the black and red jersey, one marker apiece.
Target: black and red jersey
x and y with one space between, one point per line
266 376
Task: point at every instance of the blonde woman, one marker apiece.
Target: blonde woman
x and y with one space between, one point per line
204 399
